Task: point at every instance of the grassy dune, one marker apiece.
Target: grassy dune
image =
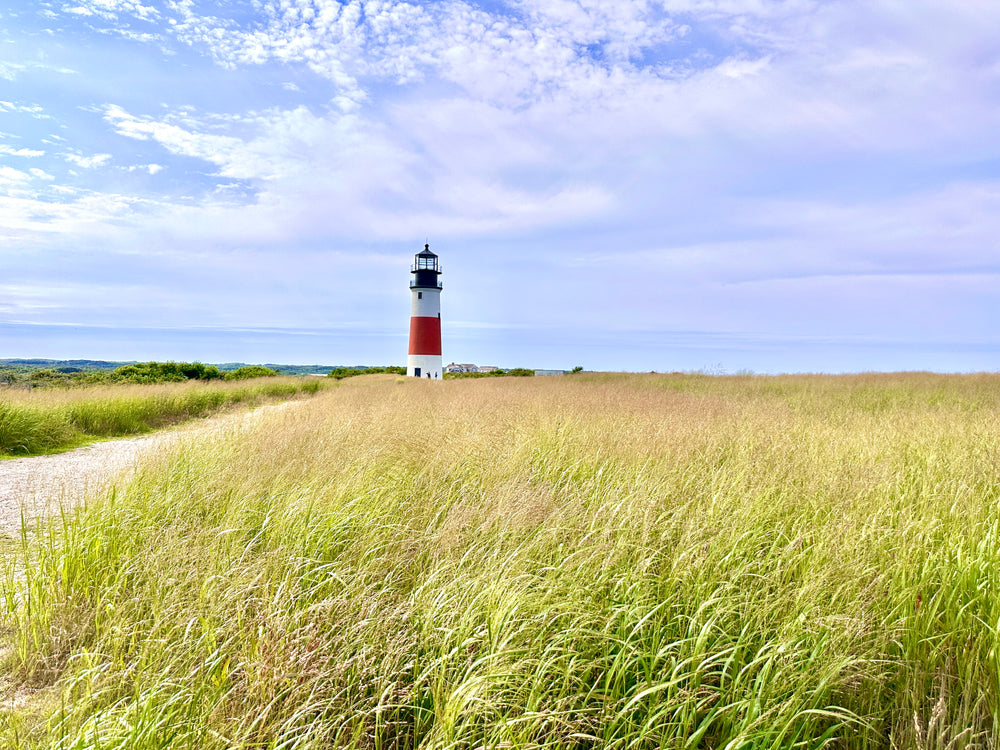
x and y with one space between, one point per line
577 562
45 420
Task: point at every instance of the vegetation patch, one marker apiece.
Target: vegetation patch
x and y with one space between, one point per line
349 372
250 371
602 561
514 372
33 373
46 420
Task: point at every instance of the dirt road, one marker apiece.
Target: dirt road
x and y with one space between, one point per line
38 485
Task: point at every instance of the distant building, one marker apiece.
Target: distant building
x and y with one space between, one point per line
487 368
549 372
464 367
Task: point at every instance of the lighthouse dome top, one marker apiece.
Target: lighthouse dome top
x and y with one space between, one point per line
425 269
425 260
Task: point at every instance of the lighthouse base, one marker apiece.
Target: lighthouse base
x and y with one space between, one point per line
424 366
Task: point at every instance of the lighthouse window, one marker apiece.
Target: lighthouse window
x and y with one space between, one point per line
420 295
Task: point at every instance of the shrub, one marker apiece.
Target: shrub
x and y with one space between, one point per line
166 372
250 371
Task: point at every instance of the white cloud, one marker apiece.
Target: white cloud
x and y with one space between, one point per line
150 168
88 162
10 175
29 152
112 9
737 68
9 71
796 68
216 149
33 110
315 172
623 29
941 233
490 56
542 115
28 218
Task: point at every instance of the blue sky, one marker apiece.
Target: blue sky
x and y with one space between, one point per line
727 185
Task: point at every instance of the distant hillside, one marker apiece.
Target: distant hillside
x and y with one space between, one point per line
85 365
284 369
82 365
61 364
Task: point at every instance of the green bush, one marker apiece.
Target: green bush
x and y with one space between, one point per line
250 371
166 372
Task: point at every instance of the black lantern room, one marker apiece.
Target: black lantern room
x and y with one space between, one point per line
425 270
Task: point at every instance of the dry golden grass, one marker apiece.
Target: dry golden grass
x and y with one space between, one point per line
586 561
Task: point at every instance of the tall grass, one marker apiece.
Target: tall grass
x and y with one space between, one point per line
40 421
605 561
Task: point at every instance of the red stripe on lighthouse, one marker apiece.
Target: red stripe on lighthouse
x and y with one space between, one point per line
425 335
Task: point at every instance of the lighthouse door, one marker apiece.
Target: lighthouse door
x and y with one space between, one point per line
416 372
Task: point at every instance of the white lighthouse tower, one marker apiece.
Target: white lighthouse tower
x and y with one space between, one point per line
424 360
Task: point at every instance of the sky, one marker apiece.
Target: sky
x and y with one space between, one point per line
673 185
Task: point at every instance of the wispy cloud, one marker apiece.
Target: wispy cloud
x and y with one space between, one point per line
111 10
88 162
10 175
150 168
34 110
11 151
9 71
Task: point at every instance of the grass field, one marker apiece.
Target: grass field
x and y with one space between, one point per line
52 419
580 562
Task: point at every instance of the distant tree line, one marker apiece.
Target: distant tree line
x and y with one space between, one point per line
139 372
26 373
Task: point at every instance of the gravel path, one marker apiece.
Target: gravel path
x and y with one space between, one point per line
41 484
30 487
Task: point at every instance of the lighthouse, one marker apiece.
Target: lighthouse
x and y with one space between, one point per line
424 360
